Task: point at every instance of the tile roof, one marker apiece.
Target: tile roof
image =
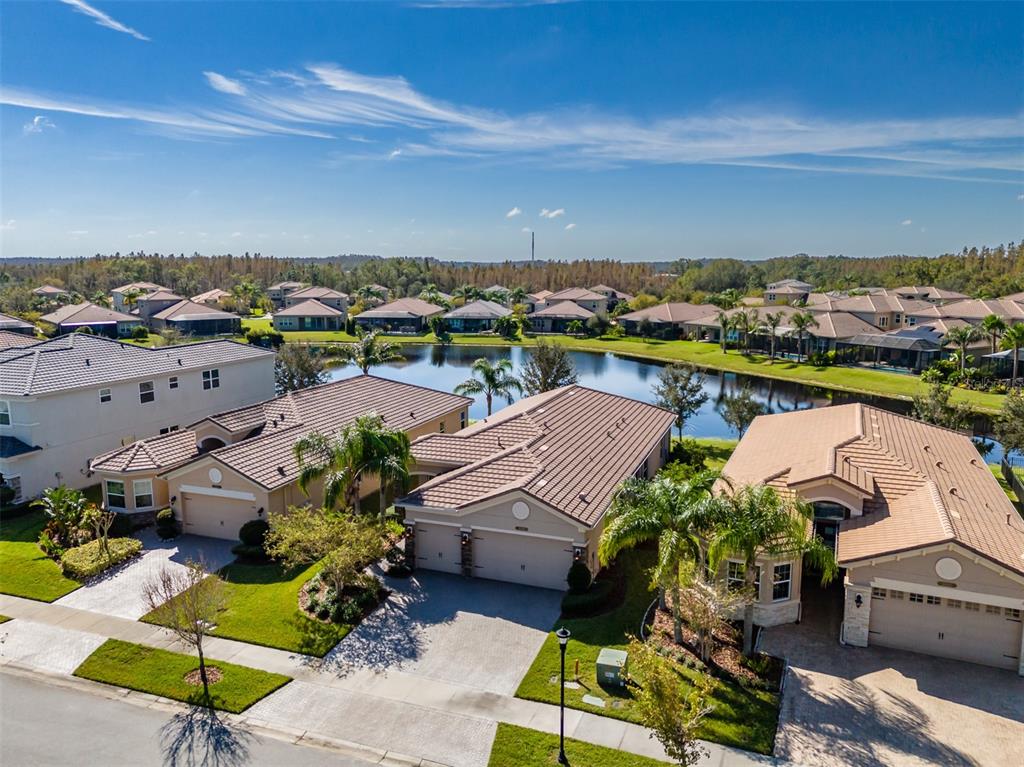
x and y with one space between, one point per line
145 287
479 310
287 285
564 309
404 308
11 340
216 294
541 295
87 313
160 295
77 360
974 309
608 290
8 322
309 308
575 294
569 448
927 485
671 312
876 302
831 324
317 292
187 311
50 290
1018 297
153 454
267 457
928 291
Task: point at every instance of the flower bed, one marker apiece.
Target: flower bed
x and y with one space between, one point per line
321 602
89 559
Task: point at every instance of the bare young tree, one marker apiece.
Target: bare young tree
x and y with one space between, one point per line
100 521
187 602
706 607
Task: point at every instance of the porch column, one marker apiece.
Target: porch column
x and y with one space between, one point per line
856 618
466 547
410 545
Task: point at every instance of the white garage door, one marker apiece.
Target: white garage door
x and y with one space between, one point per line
216 517
521 559
438 547
945 627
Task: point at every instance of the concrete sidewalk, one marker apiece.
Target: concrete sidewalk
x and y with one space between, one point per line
328 696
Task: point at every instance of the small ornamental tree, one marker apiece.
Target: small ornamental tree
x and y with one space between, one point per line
680 388
298 367
548 367
935 407
740 410
1009 424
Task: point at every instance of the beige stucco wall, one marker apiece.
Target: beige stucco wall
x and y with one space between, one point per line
160 494
917 568
836 492
197 474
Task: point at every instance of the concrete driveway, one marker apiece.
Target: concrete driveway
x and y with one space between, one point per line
119 593
857 707
473 632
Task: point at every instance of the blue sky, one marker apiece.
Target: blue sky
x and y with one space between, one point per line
447 129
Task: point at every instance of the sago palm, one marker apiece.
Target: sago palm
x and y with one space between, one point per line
490 378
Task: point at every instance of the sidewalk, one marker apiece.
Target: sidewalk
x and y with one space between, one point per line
323 699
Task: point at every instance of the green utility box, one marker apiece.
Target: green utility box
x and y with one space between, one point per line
611 666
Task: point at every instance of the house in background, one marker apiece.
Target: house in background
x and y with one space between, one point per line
556 317
11 340
475 317
538 300
278 291
406 315
148 306
883 311
972 311
309 315
100 320
16 325
69 399
932 294
52 294
585 299
930 548
670 320
194 319
614 297
239 465
213 297
327 296
119 295
522 494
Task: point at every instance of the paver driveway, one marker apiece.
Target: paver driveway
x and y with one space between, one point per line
474 632
120 593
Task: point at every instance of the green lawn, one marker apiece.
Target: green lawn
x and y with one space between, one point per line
263 608
161 672
721 449
743 718
522 747
997 471
24 570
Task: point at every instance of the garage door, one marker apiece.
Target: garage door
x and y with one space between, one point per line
521 559
216 517
438 547
946 627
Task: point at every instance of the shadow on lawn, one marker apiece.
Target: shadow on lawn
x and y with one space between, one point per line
199 737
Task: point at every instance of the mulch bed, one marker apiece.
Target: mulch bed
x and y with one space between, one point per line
350 591
213 675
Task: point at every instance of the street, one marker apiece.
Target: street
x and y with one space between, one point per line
42 725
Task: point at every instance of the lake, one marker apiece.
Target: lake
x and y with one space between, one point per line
445 367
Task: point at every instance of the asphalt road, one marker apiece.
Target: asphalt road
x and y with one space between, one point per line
45 725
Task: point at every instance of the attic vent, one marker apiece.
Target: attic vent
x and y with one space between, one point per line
955 492
412 414
499 443
927 448
583 497
939 465
609 433
87 363
179 361
280 470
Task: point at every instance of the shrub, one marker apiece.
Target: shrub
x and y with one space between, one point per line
86 561
598 599
166 524
347 610
253 532
122 526
140 332
579 577
6 494
50 548
253 554
265 337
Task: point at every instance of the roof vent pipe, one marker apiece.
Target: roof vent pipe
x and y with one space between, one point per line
87 363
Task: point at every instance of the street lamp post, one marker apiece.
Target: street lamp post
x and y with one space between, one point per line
563 640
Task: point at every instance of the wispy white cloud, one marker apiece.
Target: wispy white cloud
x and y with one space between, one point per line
527 229
224 84
545 213
236 234
38 124
570 227
906 222
8 225
103 19
1020 196
78 232
516 211
394 153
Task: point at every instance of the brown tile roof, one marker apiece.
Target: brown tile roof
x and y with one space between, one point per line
50 290
564 309
831 324
152 454
317 292
672 312
86 313
569 448
309 308
267 457
877 302
403 308
11 340
145 287
975 309
575 294
540 295
1018 297
287 285
160 295
186 311
216 294
479 310
928 291
928 485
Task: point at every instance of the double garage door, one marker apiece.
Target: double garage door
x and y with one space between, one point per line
948 628
498 556
216 517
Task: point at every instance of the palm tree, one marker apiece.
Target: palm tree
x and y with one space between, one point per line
675 514
131 297
364 447
517 295
771 323
726 322
370 350
961 338
748 323
245 294
466 293
495 378
1013 339
759 522
802 322
508 326
432 295
995 326
370 293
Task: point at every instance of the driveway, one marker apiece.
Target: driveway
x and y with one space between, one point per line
875 706
119 593
473 632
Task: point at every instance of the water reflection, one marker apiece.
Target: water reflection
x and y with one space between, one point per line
444 367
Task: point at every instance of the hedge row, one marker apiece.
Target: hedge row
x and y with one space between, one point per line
88 560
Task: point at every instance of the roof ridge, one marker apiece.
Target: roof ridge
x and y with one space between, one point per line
522 446
940 506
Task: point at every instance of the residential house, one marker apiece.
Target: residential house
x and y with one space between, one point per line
912 348
789 283
326 296
1018 297
214 297
522 494
498 290
669 320
538 300
195 319
973 310
931 294
883 311
240 464
66 400
475 317
586 299
51 294
930 548
151 304
99 320
406 315
16 325
121 296
614 297
279 290
309 315
787 292
556 317
832 327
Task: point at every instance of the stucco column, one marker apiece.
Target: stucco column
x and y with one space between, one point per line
856 618
410 545
466 548
1020 666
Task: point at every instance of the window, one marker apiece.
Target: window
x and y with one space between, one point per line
734 575
933 600
146 393
878 593
916 597
172 382
781 582
211 379
953 603
169 429
462 419
895 594
898 318
972 606
143 489
115 493
1011 612
911 321
105 395
883 321
991 609
5 413
441 427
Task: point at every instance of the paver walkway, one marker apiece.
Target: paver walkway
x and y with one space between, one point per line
412 711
